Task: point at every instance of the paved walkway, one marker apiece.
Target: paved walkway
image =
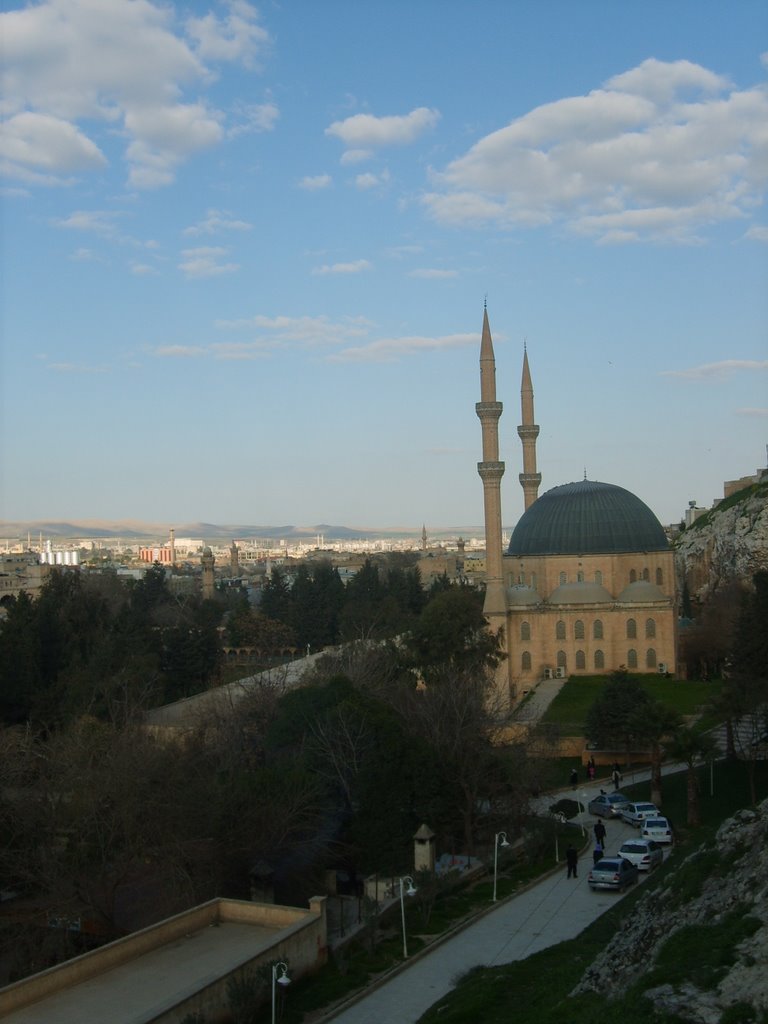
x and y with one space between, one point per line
550 911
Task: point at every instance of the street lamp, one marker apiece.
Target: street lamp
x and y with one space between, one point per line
282 979
411 891
500 839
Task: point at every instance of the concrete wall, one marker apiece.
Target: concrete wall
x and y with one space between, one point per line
300 937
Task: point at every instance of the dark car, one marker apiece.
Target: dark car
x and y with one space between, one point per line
612 873
608 805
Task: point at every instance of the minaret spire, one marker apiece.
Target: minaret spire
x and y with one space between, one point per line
528 431
491 471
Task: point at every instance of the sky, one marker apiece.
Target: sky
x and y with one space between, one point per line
246 248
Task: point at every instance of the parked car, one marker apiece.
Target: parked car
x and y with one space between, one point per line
608 805
612 873
635 814
645 854
658 829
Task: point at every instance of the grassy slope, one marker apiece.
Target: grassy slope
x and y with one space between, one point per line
536 990
569 709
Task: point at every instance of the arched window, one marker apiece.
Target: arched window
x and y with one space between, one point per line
659 578
650 628
632 576
632 658
646 575
578 629
526 661
533 581
599 577
561 659
563 577
599 659
631 629
650 658
597 630
580 577
581 661
560 630
525 631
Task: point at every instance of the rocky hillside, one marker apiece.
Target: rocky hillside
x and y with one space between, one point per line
697 946
729 543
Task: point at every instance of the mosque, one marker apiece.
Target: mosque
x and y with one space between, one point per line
587 584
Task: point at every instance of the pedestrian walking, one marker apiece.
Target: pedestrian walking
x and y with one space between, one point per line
591 771
616 776
597 853
574 778
572 860
600 833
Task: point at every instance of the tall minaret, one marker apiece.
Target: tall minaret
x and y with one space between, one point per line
530 480
172 545
208 585
491 471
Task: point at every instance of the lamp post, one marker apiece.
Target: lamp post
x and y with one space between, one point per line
281 979
411 891
500 839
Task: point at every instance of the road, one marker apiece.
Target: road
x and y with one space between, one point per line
549 911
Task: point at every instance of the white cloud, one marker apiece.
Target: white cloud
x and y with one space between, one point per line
758 233
100 222
364 131
386 350
205 262
343 268
725 368
254 118
432 274
217 220
356 156
142 269
316 182
760 413
368 181
237 37
308 331
85 255
657 153
31 143
75 68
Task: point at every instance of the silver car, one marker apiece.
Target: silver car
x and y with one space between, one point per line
635 814
645 854
612 873
608 805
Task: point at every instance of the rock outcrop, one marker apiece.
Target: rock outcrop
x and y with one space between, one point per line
724 888
729 544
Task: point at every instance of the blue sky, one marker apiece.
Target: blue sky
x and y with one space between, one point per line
246 248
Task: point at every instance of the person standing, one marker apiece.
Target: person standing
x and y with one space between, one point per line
572 860
600 833
574 778
616 776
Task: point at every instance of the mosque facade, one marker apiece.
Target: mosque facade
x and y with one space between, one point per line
587 583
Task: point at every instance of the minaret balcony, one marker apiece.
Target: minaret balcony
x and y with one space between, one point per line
490 472
488 410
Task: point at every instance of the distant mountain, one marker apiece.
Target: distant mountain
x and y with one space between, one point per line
132 529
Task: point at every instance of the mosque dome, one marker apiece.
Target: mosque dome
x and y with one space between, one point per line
580 593
587 517
640 592
522 595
